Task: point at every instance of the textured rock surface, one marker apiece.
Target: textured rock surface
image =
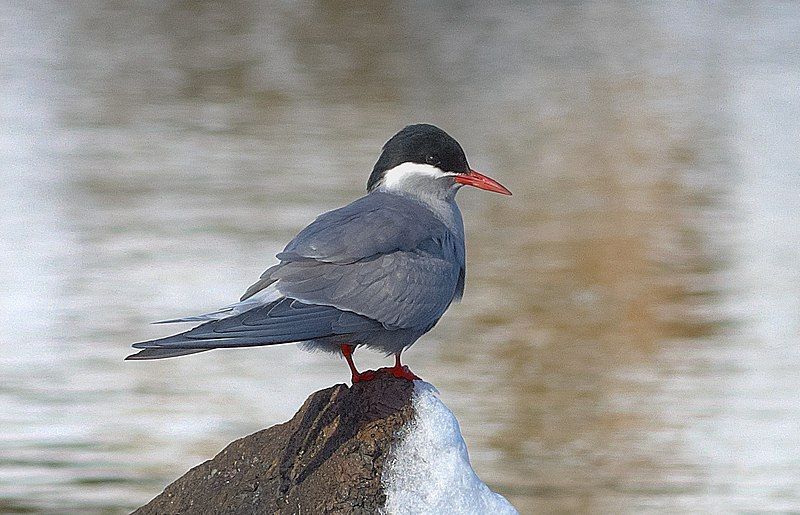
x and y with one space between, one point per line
327 459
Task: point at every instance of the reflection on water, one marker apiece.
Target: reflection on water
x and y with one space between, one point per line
629 335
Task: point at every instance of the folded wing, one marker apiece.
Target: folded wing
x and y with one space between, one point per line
382 257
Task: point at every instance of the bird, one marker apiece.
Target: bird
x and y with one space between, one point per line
377 273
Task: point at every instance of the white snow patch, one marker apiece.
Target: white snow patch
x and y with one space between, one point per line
429 471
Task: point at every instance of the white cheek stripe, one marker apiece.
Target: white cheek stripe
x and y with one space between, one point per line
397 177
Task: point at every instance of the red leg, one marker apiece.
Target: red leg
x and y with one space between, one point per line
356 376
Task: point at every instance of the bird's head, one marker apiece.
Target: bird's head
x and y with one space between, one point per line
423 159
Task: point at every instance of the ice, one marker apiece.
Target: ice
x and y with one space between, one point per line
429 471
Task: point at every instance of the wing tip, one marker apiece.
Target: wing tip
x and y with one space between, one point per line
161 353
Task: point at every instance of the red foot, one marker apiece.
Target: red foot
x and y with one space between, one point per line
360 377
401 372
398 370
355 375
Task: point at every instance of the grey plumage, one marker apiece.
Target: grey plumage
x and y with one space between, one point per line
378 272
384 256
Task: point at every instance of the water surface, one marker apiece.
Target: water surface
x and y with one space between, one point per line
628 339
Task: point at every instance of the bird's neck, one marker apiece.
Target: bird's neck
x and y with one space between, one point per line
443 206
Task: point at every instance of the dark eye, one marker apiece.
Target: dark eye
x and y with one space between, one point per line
432 160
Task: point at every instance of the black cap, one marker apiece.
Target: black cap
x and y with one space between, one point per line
420 143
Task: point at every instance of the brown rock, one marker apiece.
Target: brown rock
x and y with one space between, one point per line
327 459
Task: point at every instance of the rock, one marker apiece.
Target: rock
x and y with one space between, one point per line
327 459
386 445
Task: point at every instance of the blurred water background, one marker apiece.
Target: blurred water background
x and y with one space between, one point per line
628 340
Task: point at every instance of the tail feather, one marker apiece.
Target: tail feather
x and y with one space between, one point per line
282 321
265 295
216 315
162 353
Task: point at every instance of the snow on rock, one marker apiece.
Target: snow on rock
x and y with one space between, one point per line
429 471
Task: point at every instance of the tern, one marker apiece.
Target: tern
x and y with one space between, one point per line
379 272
